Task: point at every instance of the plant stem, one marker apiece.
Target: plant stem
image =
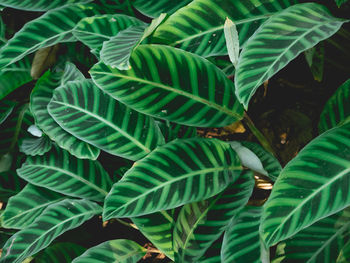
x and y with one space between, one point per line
127 224
261 138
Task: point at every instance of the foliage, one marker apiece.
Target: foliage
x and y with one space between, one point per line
107 109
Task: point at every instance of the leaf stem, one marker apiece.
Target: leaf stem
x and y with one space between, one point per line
127 224
261 138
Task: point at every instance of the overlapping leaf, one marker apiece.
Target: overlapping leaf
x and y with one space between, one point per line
171 84
93 31
88 113
35 146
344 254
23 208
198 27
39 5
200 224
10 184
158 228
54 221
59 171
172 131
278 41
118 250
40 98
241 240
53 27
313 185
154 8
320 242
60 253
6 107
212 255
180 172
337 109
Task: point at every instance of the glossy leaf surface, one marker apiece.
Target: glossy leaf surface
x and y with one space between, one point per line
180 172
35 146
38 5
88 113
54 221
278 41
154 8
162 78
118 250
59 171
304 192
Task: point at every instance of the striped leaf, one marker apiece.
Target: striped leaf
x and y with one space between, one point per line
200 224
162 78
40 98
304 192
278 41
23 208
93 31
53 27
241 240
118 250
344 254
212 255
158 228
35 146
38 5
153 8
59 171
320 242
6 108
337 109
54 221
180 172
340 2
3 39
85 111
60 253
198 27
172 131
10 184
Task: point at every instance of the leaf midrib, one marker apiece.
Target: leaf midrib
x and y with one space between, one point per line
108 123
177 91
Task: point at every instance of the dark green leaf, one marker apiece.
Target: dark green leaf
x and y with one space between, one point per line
38 5
60 253
10 184
154 8
35 146
172 131
6 108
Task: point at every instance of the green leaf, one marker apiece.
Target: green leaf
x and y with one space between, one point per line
241 240
40 98
60 253
232 41
118 250
23 208
180 172
171 84
3 40
59 171
88 113
6 108
320 242
278 41
200 224
93 31
212 255
340 2
39 5
10 184
315 58
35 146
337 109
153 8
54 221
53 27
172 131
158 228
344 254
304 192
198 27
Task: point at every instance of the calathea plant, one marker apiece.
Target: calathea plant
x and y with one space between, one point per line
100 106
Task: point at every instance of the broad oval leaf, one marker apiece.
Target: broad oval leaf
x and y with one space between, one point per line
198 27
6 108
54 221
278 41
62 252
53 27
180 172
304 192
320 242
39 5
88 113
23 208
172 84
59 171
241 240
158 228
337 109
93 31
200 224
118 250
40 98
154 8
35 146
